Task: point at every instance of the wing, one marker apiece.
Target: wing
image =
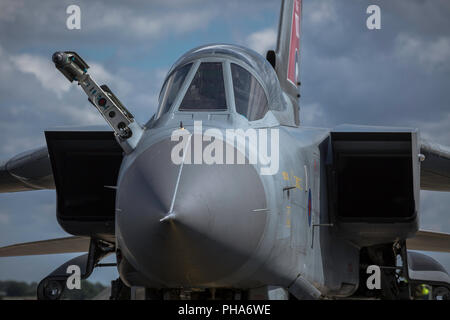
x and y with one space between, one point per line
30 170
429 241
53 246
435 169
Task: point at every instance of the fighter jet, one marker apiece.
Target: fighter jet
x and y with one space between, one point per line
224 194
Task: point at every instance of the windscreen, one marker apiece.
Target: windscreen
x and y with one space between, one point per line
207 90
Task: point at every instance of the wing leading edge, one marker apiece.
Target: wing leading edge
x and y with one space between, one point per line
435 169
53 246
30 170
429 241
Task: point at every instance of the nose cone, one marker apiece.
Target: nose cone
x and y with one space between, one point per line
217 224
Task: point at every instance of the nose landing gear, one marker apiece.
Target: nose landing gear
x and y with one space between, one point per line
53 286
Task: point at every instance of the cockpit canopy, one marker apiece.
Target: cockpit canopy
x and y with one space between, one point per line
207 89
221 79
249 96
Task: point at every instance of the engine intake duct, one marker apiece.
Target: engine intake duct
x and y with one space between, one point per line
372 180
85 167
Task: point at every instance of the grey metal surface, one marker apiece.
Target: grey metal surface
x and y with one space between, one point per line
214 231
422 268
429 241
435 169
30 170
53 246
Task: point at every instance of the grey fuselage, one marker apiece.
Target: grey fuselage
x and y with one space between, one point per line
234 227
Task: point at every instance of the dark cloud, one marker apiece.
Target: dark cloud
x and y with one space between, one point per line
394 76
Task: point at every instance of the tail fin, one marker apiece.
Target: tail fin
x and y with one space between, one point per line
287 55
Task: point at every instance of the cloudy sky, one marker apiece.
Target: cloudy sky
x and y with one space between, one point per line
396 76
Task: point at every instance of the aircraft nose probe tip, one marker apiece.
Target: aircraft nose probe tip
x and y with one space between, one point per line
168 217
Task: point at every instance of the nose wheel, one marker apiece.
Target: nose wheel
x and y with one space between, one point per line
119 290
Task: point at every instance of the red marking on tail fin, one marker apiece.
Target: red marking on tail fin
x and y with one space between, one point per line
294 46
